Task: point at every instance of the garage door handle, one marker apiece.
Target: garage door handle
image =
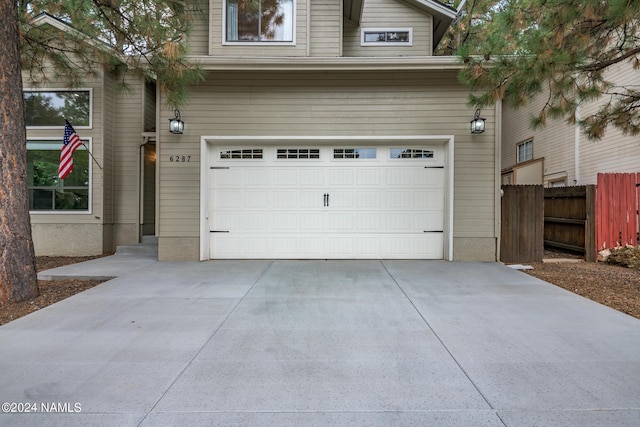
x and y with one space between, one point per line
326 199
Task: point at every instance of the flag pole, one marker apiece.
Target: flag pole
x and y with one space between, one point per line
94 159
85 146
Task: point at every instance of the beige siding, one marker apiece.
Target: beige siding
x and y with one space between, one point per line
198 38
217 48
127 141
82 232
553 143
336 104
556 143
380 14
325 32
80 239
108 172
615 152
96 135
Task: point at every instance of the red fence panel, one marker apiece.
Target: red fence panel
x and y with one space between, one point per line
617 201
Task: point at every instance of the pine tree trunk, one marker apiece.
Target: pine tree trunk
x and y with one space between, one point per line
18 277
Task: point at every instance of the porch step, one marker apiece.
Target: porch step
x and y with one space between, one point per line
148 246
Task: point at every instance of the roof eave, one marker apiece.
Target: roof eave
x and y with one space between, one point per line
217 63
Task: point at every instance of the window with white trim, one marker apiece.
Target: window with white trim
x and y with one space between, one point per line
50 108
259 20
49 193
386 37
524 151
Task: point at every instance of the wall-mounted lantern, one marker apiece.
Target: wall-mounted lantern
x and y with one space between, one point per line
176 125
477 124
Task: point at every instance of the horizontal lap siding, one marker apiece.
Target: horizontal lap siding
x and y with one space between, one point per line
128 137
615 152
554 142
108 161
389 14
325 37
198 38
334 104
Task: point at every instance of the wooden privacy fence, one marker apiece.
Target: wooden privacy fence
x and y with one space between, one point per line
582 219
522 230
569 219
617 209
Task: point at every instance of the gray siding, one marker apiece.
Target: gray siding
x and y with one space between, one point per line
335 104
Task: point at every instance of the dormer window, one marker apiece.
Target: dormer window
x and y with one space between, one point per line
259 20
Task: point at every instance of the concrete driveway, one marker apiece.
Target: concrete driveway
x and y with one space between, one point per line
321 343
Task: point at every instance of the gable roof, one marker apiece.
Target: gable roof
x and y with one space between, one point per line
443 15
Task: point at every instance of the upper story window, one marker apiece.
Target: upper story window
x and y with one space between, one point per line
386 37
259 20
50 108
524 151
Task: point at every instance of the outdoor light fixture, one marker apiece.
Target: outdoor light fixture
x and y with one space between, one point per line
176 125
477 124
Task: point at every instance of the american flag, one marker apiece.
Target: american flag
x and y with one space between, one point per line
70 142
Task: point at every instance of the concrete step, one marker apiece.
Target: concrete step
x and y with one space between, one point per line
148 246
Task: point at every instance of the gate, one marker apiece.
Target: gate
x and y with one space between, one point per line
569 220
522 230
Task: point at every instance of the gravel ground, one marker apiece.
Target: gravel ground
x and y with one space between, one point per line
612 285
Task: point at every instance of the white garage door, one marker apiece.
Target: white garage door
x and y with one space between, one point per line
326 202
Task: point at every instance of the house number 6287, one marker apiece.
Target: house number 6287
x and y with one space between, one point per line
180 159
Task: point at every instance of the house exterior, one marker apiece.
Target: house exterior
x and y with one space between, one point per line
560 154
109 197
328 132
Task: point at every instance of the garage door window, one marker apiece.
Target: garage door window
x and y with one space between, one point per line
250 153
298 153
354 153
411 153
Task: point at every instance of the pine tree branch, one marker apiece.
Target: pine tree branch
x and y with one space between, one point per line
599 66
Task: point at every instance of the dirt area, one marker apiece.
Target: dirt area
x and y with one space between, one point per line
613 285
50 291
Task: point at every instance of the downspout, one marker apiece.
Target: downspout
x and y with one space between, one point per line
497 158
576 147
